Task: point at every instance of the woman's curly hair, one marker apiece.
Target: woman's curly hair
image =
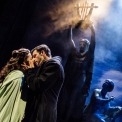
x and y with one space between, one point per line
18 57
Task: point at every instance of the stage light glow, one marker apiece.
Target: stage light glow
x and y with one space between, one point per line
66 14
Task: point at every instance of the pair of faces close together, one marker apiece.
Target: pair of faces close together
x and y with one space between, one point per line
37 56
31 60
23 59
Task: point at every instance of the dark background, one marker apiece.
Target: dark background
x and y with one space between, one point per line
28 23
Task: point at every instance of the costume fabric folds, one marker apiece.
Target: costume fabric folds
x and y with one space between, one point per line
11 105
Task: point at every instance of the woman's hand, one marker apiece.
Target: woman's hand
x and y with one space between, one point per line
28 65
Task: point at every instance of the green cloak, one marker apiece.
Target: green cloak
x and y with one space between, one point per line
12 107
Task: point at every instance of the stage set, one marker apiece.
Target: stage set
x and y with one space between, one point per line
61 24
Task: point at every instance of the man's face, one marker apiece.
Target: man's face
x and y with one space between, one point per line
38 57
83 47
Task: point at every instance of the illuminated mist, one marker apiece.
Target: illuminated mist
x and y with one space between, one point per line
108 52
107 18
64 14
58 15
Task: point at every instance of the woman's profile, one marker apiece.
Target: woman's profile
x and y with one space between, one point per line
12 107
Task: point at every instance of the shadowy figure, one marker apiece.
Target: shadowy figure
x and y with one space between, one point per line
44 83
78 74
99 108
12 106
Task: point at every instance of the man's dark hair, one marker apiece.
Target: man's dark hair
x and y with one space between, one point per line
42 47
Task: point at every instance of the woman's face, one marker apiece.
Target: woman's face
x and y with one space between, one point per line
29 59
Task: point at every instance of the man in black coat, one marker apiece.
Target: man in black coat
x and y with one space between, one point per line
44 86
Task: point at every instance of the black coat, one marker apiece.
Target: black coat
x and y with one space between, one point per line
44 91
